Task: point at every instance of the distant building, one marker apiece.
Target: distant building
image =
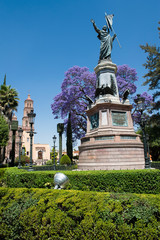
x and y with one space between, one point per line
40 152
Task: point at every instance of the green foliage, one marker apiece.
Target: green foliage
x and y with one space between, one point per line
65 160
52 155
49 162
8 100
155 165
4 131
133 181
53 214
153 131
24 160
2 171
153 75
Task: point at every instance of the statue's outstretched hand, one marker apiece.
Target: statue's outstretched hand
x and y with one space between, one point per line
92 21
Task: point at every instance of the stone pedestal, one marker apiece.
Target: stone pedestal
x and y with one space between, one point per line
110 141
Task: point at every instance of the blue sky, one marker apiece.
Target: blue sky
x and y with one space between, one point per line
41 39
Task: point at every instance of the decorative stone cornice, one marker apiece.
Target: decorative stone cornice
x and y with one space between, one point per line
107 65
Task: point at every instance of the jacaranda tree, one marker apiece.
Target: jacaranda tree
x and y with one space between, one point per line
148 108
126 78
77 85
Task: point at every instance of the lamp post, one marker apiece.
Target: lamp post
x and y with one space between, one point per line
31 117
141 107
60 129
54 141
14 128
20 132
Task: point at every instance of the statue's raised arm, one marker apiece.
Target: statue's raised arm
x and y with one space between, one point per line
95 27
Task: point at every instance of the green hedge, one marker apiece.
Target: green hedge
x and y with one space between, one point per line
134 181
51 167
155 165
33 214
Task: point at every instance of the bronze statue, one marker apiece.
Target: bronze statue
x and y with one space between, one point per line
105 37
106 41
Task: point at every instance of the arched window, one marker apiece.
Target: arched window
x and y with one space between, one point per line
40 154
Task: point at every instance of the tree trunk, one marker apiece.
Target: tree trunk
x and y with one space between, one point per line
69 138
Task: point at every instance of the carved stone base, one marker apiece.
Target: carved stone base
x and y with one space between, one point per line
111 155
112 143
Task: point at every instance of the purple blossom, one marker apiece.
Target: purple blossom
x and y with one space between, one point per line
79 82
126 78
148 104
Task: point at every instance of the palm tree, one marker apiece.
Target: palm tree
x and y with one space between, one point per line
8 103
8 100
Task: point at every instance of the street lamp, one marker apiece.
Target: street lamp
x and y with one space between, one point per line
31 117
54 141
141 107
60 129
20 132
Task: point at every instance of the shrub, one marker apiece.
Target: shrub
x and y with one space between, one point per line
65 160
155 165
133 181
24 160
2 171
49 162
3 165
53 214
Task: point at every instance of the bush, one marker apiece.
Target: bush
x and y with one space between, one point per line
24 160
2 171
53 214
3 165
155 165
133 181
65 160
49 162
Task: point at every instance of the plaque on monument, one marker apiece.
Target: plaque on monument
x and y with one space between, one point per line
94 120
119 119
14 125
104 118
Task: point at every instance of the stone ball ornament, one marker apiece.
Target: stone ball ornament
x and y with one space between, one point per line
60 181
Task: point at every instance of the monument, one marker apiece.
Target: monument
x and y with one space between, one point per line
110 141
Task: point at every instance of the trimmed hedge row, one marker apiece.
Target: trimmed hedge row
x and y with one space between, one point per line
51 167
34 214
155 165
134 181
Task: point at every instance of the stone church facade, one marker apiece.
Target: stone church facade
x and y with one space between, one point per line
40 152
